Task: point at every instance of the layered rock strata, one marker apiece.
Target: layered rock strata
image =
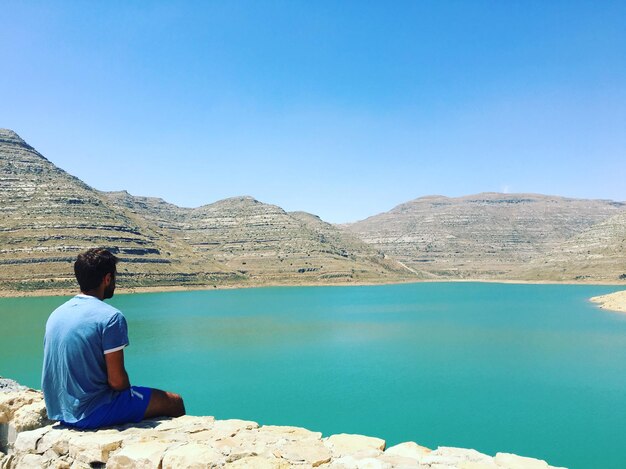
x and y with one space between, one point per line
503 236
29 440
263 243
598 253
48 216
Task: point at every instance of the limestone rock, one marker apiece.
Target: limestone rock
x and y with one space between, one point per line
28 461
351 462
186 424
203 442
458 455
398 461
308 451
9 385
20 410
257 462
408 449
512 461
344 444
27 441
192 456
11 402
225 428
202 435
6 461
478 465
613 301
92 447
290 432
240 453
31 416
144 455
56 439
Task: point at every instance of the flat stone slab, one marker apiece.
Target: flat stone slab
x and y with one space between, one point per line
203 442
8 385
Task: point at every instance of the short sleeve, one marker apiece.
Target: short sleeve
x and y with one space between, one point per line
115 334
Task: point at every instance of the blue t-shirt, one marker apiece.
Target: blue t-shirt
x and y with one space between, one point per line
78 335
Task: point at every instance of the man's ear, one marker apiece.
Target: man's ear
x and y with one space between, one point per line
107 278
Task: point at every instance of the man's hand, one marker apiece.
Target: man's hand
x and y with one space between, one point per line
116 372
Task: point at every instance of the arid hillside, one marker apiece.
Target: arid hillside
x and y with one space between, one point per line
503 237
262 243
47 216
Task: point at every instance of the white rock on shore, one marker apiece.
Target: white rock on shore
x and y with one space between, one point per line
28 440
613 301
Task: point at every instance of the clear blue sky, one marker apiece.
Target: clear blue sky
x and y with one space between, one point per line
343 109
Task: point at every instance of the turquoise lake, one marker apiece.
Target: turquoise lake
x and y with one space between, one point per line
535 370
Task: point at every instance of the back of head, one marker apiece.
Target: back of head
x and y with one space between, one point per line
91 267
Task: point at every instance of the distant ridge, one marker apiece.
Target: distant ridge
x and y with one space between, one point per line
502 237
47 216
598 253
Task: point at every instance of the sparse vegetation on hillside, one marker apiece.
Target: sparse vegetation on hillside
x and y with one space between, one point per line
503 237
48 216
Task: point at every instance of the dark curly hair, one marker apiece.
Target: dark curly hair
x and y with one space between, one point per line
91 267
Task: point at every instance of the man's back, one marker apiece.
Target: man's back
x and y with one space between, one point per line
78 335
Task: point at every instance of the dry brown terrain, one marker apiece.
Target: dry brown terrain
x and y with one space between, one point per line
504 237
47 216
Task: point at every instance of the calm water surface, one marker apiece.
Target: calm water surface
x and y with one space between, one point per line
530 369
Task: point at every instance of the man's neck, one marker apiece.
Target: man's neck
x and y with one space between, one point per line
95 293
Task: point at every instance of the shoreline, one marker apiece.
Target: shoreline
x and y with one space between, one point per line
612 302
604 301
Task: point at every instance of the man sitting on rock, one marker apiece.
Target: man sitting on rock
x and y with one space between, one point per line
84 381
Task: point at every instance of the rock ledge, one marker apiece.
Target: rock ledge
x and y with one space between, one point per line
28 439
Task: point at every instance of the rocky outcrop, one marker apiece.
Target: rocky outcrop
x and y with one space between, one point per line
21 409
29 440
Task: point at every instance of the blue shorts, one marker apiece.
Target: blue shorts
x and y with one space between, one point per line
129 406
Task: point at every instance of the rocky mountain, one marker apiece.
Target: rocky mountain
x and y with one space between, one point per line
502 236
262 242
597 254
47 216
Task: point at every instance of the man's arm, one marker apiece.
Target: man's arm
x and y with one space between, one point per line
116 372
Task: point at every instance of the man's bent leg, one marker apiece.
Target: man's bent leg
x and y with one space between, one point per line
129 406
164 404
